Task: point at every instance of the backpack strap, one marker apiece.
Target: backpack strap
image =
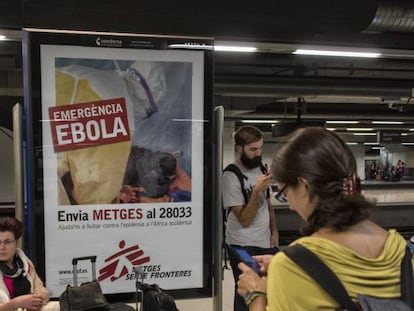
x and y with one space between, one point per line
328 280
321 273
407 279
265 172
235 169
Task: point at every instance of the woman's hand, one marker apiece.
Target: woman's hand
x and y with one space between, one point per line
31 302
263 261
249 280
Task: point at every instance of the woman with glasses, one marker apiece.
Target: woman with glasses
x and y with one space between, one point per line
20 286
316 173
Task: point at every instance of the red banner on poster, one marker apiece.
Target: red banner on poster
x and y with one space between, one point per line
89 124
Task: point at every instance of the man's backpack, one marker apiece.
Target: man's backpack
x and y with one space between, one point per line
328 280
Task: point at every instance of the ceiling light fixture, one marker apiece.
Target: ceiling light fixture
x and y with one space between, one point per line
229 48
3 37
387 122
364 134
371 144
336 53
193 46
259 121
285 48
359 129
342 122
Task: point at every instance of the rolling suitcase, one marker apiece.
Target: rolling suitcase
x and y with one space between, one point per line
151 297
87 296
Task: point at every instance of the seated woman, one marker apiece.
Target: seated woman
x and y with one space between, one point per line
20 286
316 174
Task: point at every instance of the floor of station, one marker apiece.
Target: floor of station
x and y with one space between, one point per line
200 304
206 304
391 196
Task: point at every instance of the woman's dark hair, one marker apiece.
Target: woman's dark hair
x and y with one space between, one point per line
13 225
325 161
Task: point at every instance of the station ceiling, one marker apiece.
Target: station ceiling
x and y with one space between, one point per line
272 83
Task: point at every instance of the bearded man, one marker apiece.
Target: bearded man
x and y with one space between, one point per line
250 219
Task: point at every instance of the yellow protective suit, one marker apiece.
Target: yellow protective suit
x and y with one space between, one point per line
94 175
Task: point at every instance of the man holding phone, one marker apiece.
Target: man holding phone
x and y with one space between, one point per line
250 219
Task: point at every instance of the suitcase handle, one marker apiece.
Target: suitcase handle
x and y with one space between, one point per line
75 260
75 267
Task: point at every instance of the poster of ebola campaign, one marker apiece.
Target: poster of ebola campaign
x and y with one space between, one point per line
123 165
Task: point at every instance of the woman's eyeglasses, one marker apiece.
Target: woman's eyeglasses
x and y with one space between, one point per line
281 195
7 243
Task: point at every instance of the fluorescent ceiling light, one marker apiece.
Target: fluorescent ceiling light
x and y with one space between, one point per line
336 53
364 134
387 122
194 46
331 129
342 122
260 121
411 130
377 148
371 144
10 35
284 48
351 143
408 144
229 48
359 129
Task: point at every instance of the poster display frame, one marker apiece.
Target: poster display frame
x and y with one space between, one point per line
35 122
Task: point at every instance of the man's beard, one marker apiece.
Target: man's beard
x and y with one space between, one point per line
250 163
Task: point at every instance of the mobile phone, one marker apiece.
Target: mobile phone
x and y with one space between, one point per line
245 257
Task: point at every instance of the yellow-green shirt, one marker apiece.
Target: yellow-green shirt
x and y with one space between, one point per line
290 288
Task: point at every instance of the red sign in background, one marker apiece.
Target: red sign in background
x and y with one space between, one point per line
89 124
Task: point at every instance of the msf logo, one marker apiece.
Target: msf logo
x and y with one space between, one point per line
119 263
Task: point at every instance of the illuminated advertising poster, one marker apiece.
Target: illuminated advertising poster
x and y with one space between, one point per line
123 165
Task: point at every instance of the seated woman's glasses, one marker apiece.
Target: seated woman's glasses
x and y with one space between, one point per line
7 242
